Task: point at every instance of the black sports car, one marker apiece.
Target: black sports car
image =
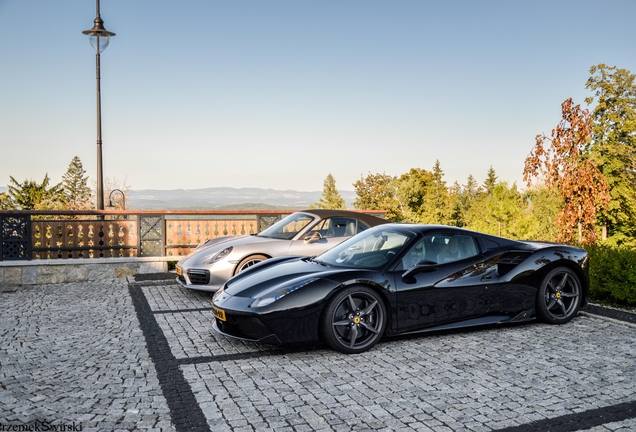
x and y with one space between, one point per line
401 278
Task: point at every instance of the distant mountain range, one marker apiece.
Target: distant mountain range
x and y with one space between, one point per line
224 198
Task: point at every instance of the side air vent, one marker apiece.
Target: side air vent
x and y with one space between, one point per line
510 260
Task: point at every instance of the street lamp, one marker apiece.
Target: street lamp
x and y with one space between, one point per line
123 199
99 38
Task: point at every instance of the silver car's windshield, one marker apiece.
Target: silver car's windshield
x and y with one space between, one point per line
287 228
373 248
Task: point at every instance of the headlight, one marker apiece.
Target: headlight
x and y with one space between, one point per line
218 256
279 292
218 293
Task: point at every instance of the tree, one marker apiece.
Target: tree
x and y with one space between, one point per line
31 195
544 205
331 198
77 194
6 203
437 207
491 180
579 182
499 213
463 197
613 147
377 192
410 194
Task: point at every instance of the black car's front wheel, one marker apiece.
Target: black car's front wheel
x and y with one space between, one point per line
559 297
354 320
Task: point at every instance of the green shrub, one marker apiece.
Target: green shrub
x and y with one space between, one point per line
613 275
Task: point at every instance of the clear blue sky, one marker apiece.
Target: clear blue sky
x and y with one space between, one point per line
278 94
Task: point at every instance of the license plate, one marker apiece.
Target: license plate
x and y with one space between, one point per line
179 271
220 314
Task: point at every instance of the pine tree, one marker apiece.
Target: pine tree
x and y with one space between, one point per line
331 198
491 181
77 194
6 203
31 195
437 202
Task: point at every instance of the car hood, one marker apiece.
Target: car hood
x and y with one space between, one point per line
217 244
253 283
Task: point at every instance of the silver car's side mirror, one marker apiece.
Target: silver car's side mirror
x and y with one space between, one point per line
313 237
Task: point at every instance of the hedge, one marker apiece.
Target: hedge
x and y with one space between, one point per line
612 275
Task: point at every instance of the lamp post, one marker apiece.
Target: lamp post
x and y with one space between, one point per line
99 38
123 199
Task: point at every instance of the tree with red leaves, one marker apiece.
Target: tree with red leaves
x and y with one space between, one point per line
560 159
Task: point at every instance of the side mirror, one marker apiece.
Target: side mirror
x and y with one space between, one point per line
313 237
423 266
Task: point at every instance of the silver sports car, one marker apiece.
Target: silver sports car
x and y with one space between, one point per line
305 233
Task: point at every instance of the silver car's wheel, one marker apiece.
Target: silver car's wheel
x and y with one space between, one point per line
249 262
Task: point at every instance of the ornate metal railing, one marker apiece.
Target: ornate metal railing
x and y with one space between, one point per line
64 234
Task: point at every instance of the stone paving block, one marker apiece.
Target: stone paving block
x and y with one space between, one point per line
69 344
79 353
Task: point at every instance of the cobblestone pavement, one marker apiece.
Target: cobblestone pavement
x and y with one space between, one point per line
142 356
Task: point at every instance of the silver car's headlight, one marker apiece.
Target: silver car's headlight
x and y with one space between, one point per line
278 293
218 256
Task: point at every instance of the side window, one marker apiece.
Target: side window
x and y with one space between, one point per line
440 249
416 254
336 227
456 248
321 227
361 227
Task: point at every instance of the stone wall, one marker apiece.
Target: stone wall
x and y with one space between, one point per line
38 272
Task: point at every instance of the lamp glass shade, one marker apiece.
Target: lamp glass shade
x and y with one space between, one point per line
99 43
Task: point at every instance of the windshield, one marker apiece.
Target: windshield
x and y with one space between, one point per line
286 229
371 249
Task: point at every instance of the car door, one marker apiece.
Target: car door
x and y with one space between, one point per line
448 288
324 235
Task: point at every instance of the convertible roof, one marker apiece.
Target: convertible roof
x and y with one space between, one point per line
364 217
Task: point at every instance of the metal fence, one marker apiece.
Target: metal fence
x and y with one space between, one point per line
66 234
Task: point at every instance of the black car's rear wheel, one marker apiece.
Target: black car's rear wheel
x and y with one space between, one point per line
249 262
354 320
559 298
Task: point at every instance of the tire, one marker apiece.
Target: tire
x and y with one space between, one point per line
559 297
354 320
249 262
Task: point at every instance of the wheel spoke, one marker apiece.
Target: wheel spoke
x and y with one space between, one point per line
369 327
562 307
564 294
551 304
341 323
368 310
352 304
563 281
354 336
